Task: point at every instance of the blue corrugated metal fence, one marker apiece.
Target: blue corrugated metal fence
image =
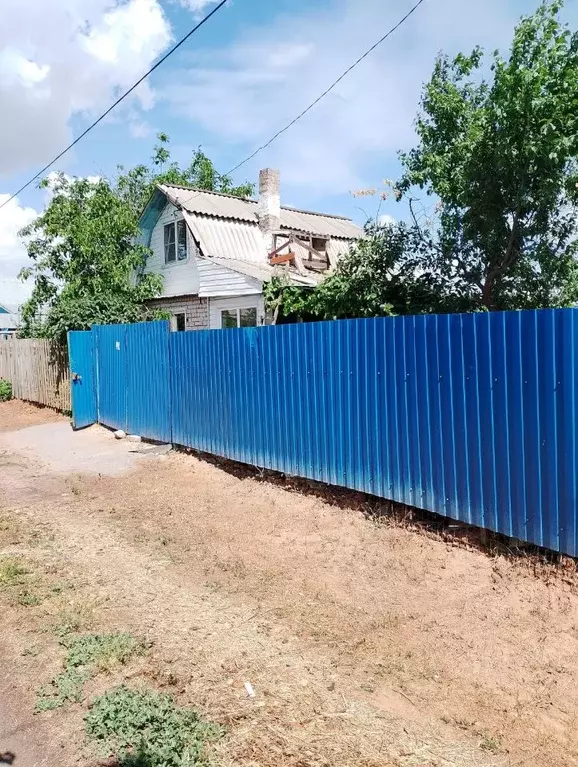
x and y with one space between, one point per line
470 416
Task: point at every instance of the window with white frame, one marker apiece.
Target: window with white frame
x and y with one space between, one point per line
175 242
239 318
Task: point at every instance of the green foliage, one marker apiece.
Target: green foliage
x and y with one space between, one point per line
65 688
143 728
12 573
136 186
88 265
100 651
86 656
500 154
497 156
379 276
85 257
20 583
5 390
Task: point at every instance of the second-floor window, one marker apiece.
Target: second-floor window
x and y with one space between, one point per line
175 242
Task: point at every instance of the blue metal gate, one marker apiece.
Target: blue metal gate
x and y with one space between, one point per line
83 384
133 378
111 364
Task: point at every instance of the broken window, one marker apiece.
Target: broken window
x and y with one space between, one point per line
175 242
179 321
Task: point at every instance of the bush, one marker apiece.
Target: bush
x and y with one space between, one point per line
5 390
144 728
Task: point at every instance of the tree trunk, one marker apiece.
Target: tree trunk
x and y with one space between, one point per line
488 293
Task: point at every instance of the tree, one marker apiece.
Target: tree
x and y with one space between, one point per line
136 186
377 277
500 155
87 262
497 157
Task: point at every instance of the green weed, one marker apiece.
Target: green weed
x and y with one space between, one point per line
5 390
12 573
86 656
28 598
491 744
68 623
143 728
64 688
101 651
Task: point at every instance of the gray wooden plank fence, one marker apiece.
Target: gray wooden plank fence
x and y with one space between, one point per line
37 370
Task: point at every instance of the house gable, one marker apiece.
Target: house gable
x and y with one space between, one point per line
179 277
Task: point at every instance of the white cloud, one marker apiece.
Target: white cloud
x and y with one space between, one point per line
66 57
13 254
245 93
139 129
386 220
196 5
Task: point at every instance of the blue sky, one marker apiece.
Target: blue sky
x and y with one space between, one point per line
249 70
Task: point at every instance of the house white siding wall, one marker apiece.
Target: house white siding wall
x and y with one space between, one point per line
180 278
216 280
216 305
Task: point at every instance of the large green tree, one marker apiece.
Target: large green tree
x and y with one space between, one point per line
500 155
497 160
87 263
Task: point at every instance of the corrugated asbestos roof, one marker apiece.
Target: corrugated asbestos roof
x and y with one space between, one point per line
228 207
242 241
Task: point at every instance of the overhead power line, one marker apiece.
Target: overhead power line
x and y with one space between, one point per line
118 101
329 89
318 99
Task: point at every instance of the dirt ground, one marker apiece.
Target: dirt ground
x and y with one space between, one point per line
367 643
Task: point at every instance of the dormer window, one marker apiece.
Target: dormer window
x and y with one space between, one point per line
175 242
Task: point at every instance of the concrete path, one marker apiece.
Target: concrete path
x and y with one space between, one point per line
60 449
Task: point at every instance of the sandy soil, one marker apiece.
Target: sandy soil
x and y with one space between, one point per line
367 643
17 415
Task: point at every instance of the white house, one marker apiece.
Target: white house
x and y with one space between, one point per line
216 251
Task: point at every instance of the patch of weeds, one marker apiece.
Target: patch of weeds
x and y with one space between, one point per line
28 598
87 655
64 688
12 573
19 582
68 623
490 743
102 651
144 728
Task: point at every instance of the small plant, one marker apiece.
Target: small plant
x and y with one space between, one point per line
12 573
22 586
70 622
491 744
5 390
143 728
64 688
87 655
28 598
102 651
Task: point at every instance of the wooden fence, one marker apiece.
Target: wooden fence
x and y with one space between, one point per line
37 370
